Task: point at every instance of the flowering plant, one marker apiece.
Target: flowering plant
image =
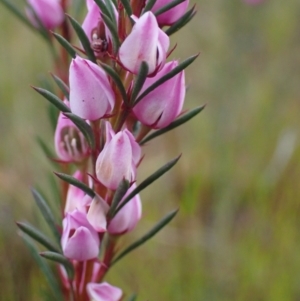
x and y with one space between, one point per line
115 92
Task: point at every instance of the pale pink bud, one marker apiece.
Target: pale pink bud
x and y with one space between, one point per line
172 15
97 214
118 160
103 292
79 240
127 218
70 144
91 96
49 12
146 42
161 106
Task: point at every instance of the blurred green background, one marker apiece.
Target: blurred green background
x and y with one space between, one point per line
237 235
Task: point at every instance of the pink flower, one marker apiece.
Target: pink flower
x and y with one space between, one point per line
127 218
91 96
171 16
49 12
79 240
146 42
103 292
118 159
70 144
161 106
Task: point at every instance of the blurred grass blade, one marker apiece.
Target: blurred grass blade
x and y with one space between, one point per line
53 99
60 259
83 39
166 77
139 81
73 181
51 278
114 32
38 236
46 150
111 8
84 127
115 77
162 223
62 86
47 213
181 120
167 7
64 43
187 17
148 181
127 7
118 196
53 113
132 297
149 5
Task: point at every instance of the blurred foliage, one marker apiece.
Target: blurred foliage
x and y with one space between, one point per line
237 235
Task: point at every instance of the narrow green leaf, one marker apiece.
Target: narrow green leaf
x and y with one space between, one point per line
46 150
60 259
103 8
111 8
167 7
38 236
181 22
83 39
62 86
166 77
115 77
133 297
139 81
127 7
149 5
162 223
64 43
84 127
47 213
179 121
51 278
148 181
118 196
53 99
73 181
114 32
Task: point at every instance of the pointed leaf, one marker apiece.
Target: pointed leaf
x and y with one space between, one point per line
38 236
148 181
114 32
103 8
51 278
116 78
73 181
84 127
167 7
179 121
149 5
127 7
53 99
166 77
119 194
62 86
181 22
60 259
64 43
47 213
110 7
47 151
162 223
83 39
139 81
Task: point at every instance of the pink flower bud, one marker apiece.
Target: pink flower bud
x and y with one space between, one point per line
103 292
127 218
79 240
118 159
91 96
97 214
146 42
49 12
161 106
171 16
70 144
